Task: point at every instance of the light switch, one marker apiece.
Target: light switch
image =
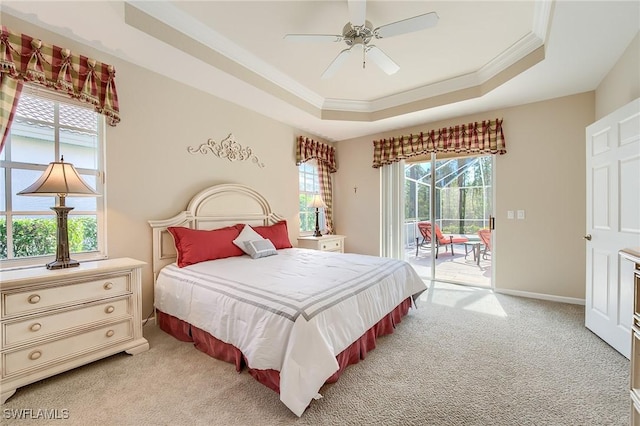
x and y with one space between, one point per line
520 214
510 214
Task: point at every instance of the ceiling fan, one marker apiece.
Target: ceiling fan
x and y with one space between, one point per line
358 33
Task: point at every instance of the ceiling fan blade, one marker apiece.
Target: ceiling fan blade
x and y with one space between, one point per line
357 12
409 25
314 38
381 59
336 64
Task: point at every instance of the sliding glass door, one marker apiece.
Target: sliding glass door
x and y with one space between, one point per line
447 202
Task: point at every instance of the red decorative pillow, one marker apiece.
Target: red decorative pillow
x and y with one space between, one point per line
277 233
194 245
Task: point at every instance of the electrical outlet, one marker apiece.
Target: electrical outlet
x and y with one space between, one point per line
520 214
510 214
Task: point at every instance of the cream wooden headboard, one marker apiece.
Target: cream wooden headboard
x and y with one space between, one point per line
215 207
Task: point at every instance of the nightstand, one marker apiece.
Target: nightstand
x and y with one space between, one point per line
324 243
56 320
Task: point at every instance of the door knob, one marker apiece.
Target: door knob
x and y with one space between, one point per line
587 237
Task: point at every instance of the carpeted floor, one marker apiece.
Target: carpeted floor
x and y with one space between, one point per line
465 357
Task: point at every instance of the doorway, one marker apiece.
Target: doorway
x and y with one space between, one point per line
452 197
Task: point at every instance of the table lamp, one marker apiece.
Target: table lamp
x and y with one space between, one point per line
317 203
60 179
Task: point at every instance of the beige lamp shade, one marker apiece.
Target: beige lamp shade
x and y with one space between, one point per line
61 179
317 202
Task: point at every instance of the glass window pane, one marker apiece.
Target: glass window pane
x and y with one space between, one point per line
3 195
34 235
32 143
3 237
21 179
78 117
79 148
83 233
33 108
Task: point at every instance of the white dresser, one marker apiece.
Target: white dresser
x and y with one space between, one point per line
324 243
56 320
633 254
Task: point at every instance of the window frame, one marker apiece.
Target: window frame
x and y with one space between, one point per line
317 190
6 167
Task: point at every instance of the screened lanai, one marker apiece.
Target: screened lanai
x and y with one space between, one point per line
462 205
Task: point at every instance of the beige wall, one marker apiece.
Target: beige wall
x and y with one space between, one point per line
622 84
542 173
150 174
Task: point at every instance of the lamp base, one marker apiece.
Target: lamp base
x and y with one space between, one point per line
61 264
317 232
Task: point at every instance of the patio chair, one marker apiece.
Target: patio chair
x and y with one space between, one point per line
441 240
485 237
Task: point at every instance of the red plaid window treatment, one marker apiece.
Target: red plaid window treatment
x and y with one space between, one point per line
25 58
484 137
325 156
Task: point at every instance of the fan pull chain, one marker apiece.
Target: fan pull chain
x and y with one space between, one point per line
364 56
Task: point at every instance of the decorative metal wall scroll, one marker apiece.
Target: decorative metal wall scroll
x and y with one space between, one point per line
227 148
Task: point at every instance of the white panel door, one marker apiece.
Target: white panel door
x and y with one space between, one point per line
613 223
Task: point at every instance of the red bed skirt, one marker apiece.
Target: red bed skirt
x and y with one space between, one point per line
218 349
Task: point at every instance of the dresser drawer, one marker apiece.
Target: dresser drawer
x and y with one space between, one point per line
37 327
36 299
331 245
46 354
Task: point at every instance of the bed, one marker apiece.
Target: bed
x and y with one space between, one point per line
294 318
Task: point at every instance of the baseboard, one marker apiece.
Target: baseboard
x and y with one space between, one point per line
149 321
571 300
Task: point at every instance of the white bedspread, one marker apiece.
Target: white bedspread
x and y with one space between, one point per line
292 312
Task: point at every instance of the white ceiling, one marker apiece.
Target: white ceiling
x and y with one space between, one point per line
480 56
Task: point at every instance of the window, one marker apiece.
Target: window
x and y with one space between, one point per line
309 185
47 126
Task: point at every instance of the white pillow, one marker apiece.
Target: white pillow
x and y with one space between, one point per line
260 248
247 234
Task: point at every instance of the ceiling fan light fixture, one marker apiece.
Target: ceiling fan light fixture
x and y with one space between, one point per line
358 32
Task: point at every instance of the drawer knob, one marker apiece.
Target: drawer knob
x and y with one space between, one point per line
33 299
35 327
108 286
109 309
35 355
110 333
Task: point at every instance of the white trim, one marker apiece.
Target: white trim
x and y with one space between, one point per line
541 296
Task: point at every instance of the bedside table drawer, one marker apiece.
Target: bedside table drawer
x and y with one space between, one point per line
324 243
38 356
36 327
43 298
331 245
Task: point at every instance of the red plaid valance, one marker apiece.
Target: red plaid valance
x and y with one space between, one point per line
323 153
473 138
29 59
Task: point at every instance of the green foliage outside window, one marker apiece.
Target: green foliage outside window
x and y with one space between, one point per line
37 236
307 214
